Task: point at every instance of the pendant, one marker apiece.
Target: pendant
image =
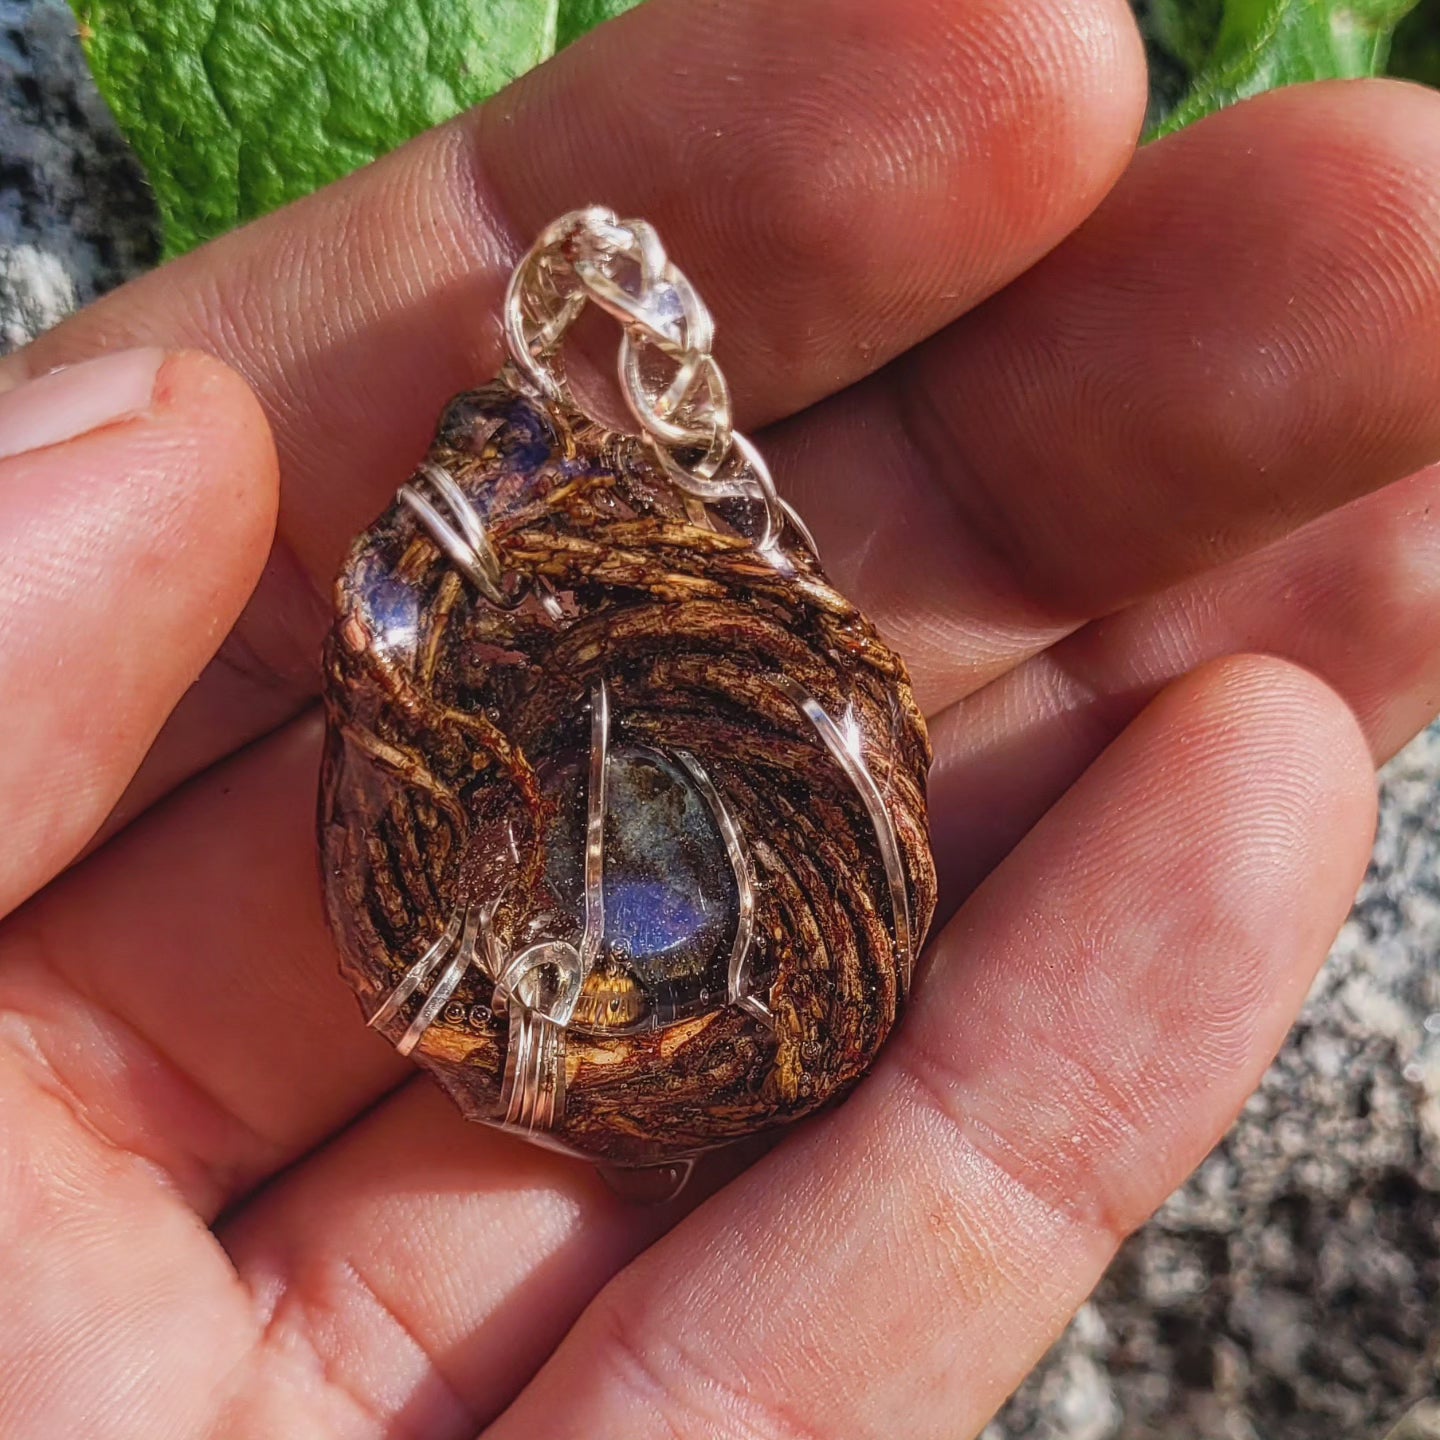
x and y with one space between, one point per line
622 812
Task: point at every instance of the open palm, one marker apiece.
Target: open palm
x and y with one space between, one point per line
1073 463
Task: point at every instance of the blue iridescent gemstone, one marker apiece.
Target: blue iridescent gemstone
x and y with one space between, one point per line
671 901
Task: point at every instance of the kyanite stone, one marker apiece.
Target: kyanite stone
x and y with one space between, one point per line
671 901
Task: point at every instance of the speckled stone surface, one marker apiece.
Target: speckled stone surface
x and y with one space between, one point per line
75 216
1289 1292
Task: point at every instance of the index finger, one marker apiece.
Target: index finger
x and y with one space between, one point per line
839 177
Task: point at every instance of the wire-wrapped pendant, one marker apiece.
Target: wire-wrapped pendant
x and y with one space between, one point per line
622 811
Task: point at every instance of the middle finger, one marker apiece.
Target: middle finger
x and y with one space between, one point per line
897 162
1240 339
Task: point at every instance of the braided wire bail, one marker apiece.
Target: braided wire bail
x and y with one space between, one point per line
671 382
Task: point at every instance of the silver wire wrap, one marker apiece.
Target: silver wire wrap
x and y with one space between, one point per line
457 528
681 402
738 972
843 743
670 380
533 1093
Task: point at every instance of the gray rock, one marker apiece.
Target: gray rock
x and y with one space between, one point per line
76 217
1422 1423
1286 1293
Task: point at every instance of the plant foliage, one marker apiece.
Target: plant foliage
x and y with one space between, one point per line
237 106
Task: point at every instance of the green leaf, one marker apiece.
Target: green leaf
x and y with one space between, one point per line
237 106
1227 50
1416 52
578 16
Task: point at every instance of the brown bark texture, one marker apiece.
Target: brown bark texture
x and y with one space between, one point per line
444 709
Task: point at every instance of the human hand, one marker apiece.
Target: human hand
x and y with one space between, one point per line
227 1209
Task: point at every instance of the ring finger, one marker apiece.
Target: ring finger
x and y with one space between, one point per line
1090 1024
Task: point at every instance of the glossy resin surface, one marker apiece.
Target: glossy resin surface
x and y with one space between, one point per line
653 817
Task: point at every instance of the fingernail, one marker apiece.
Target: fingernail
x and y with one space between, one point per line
74 401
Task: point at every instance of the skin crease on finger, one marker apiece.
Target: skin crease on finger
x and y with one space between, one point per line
1191 375
1355 596
840 179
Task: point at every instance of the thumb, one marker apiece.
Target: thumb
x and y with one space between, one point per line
137 504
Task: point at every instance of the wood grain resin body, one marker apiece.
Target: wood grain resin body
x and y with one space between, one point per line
629 847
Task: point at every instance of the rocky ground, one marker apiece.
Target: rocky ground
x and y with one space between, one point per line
1289 1291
